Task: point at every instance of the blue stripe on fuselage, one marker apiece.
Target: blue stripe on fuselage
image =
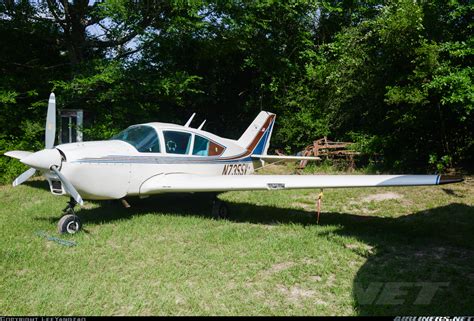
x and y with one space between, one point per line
159 160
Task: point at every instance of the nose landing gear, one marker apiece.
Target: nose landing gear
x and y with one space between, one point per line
69 222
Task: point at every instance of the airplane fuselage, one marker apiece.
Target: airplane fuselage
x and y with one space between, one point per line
114 169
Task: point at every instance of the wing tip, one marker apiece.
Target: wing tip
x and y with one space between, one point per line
447 179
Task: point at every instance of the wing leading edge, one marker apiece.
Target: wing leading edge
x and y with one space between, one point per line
198 183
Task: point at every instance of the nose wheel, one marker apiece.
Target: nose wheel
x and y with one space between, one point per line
69 222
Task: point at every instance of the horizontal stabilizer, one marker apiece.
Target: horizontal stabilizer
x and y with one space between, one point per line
18 154
278 158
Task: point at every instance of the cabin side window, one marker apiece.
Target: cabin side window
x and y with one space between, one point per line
177 142
201 146
143 138
205 147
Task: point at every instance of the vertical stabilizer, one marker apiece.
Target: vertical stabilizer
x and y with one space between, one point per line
257 136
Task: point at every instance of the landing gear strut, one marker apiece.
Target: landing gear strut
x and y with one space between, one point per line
69 222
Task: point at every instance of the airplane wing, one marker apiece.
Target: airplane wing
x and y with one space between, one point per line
278 158
201 183
18 154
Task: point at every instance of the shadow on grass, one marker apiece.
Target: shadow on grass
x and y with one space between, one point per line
38 183
428 251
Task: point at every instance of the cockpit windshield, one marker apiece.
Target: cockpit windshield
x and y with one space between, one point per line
143 138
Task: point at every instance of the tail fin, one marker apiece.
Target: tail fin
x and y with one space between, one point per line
257 136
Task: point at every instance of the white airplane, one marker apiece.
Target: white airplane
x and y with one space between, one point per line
155 158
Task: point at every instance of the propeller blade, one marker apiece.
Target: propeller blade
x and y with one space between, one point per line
50 132
18 154
68 186
24 177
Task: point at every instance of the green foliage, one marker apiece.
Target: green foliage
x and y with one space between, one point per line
101 130
389 79
365 143
441 164
32 139
7 97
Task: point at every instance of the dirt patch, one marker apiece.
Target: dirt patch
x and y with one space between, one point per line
22 272
363 210
305 206
315 278
381 197
179 300
267 226
308 261
277 268
355 246
295 293
330 280
437 253
88 206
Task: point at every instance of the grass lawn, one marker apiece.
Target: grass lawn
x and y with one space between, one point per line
167 256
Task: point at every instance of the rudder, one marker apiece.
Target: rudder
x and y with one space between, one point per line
256 137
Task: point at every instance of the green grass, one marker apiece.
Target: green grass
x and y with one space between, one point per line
167 256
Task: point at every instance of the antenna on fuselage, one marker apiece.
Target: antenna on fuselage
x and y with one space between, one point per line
190 120
202 124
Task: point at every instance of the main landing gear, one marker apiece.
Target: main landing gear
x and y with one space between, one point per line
219 209
69 222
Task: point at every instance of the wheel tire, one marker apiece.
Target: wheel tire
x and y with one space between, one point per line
70 224
220 210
